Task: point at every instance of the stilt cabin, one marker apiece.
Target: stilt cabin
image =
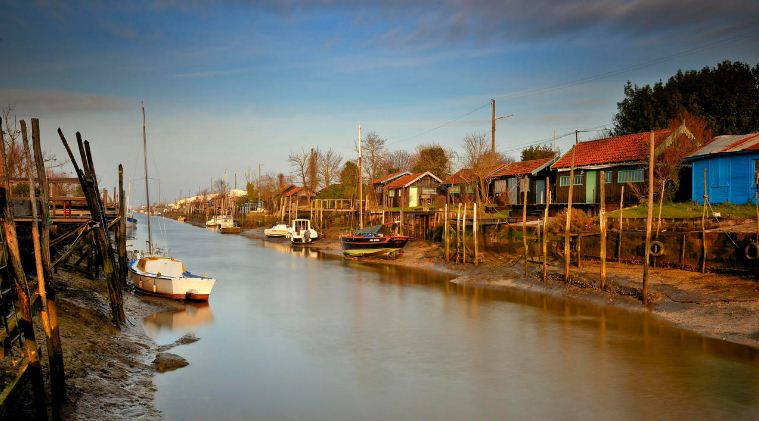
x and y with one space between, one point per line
732 169
624 160
413 190
379 186
507 182
462 187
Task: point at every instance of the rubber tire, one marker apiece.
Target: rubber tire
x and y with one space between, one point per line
653 246
747 251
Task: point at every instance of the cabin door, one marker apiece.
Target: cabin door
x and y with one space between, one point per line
590 187
540 191
513 191
413 197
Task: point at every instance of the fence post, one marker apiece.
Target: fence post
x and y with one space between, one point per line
703 227
567 226
474 230
525 182
649 219
545 230
621 208
447 236
602 221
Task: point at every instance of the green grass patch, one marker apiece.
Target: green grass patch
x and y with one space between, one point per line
687 210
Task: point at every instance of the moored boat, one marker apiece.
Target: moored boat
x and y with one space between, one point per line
167 277
224 224
373 241
277 230
301 232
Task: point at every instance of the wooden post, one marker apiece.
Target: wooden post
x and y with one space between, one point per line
458 234
525 180
37 249
567 226
621 208
602 222
756 206
661 204
88 181
649 219
545 230
579 250
463 235
682 253
474 231
447 236
25 324
703 227
58 379
121 238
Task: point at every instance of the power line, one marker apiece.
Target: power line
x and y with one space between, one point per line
440 126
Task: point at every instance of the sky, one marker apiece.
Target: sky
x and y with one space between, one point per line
229 85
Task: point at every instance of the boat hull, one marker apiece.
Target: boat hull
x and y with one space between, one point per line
369 243
194 288
230 230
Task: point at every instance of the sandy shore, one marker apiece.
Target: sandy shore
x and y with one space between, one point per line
714 305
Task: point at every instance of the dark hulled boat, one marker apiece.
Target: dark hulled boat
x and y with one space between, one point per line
371 241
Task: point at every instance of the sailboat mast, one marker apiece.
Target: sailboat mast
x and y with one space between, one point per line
147 189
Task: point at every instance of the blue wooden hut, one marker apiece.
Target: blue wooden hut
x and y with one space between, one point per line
732 169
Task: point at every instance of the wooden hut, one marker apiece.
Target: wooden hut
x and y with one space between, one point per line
624 161
379 186
506 186
732 168
412 190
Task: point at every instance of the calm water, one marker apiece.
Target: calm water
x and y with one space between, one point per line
288 335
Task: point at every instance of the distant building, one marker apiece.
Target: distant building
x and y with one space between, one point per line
732 169
507 185
622 158
412 190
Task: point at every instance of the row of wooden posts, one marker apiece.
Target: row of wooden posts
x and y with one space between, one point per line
114 269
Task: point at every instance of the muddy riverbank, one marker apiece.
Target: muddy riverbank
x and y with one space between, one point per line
109 372
719 306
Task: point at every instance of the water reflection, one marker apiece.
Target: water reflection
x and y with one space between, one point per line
179 321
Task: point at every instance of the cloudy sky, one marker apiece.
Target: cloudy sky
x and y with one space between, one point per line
231 84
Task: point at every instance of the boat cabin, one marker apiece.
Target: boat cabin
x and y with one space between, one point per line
161 266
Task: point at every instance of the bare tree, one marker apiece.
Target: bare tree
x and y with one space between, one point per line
373 155
479 157
329 168
14 154
299 165
399 160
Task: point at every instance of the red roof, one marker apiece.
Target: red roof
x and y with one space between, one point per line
284 189
466 175
389 177
523 167
293 191
402 181
612 150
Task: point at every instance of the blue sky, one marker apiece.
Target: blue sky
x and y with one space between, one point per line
231 84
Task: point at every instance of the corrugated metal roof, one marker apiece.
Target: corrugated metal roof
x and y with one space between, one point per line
728 144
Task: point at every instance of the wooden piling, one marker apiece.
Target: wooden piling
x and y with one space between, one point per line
121 237
25 324
621 209
703 227
649 219
602 226
545 230
567 226
447 236
58 378
458 234
524 223
87 180
475 228
463 235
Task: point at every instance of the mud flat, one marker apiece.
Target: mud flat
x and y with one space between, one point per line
109 372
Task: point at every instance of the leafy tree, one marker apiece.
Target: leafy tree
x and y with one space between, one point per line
726 97
433 158
537 152
349 178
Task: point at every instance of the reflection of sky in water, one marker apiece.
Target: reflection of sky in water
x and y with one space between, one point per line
302 338
166 326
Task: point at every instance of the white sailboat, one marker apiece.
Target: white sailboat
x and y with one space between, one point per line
158 273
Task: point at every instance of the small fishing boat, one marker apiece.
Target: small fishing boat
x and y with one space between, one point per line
167 277
181 218
376 240
224 224
278 230
301 232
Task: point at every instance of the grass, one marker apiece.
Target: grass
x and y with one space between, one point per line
688 210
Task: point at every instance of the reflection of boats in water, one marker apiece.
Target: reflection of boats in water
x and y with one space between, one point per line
192 315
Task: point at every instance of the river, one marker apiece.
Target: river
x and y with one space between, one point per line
292 335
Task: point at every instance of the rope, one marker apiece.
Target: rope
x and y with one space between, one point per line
709 203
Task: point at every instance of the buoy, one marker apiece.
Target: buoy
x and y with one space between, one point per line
751 251
656 248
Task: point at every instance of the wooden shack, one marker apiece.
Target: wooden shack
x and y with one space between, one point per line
506 186
413 190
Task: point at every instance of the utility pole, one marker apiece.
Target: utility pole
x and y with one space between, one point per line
360 184
553 147
492 129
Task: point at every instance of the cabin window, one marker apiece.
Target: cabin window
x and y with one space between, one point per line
564 181
469 189
630 176
579 179
499 186
427 191
608 177
391 193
